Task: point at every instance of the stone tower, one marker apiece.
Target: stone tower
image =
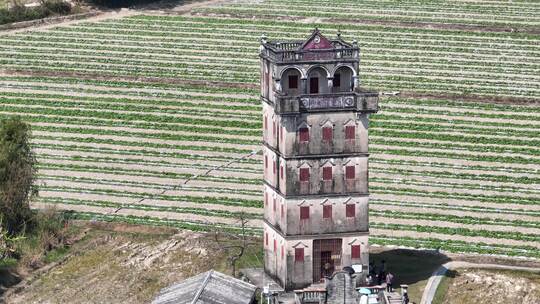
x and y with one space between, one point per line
315 151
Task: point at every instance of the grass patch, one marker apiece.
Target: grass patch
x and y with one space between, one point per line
55 255
442 290
20 12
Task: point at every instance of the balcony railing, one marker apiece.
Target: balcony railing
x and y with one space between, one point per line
310 296
352 101
288 53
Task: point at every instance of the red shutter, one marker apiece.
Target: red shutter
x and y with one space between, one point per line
350 210
355 251
304 134
275 246
304 174
327 211
327 173
350 132
282 252
327 134
349 172
298 254
304 212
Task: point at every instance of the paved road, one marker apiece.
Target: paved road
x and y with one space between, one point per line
436 277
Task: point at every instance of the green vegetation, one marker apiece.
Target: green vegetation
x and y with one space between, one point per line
19 12
17 176
27 238
442 290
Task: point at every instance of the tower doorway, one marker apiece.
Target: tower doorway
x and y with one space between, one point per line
326 258
314 85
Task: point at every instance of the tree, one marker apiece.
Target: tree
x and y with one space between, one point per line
17 175
233 243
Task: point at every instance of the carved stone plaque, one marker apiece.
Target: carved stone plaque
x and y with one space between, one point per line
327 102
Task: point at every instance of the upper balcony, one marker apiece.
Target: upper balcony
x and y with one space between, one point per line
358 101
316 48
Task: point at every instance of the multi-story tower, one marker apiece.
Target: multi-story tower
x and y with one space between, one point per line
315 121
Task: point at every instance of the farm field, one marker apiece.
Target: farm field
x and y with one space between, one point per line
155 119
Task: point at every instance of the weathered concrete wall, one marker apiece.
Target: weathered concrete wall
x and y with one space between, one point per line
272 122
300 273
361 240
275 254
270 167
284 213
292 146
338 184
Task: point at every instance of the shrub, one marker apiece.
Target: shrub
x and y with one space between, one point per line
17 175
47 8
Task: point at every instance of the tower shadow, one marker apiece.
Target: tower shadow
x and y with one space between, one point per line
409 267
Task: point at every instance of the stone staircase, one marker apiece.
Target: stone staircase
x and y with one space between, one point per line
392 298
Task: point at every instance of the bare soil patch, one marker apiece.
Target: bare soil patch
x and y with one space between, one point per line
492 286
119 263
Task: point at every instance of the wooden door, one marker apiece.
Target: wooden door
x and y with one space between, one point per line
314 85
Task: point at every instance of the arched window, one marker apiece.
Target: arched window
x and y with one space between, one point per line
318 81
343 80
290 82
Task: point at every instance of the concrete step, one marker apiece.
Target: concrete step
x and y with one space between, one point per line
393 297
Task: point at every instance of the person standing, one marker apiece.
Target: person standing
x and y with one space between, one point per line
382 272
389 281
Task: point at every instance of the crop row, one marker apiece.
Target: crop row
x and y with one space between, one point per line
221 200
499 199
164 54
389 11
456 246
438 206
206 71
